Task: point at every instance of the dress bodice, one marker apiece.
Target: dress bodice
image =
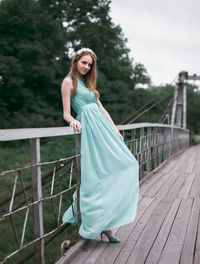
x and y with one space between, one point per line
83 96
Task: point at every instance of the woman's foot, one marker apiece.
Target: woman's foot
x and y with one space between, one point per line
109 232
110 236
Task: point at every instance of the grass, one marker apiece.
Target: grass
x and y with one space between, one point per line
16 154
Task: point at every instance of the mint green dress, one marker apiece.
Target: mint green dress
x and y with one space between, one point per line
109 187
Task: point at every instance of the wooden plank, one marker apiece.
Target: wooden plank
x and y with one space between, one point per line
97 252
190 163
173 192
197 246
155 179
173 247
185 189
160 240
105 251
195 190
144 240
86 251
170 167
132 240
149 234
148 184
180 164
187 253
179 179
151 192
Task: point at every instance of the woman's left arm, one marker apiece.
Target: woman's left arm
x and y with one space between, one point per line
106 114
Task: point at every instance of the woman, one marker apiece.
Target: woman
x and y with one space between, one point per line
109 172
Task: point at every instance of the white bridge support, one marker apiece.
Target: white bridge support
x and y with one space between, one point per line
179 110
179 106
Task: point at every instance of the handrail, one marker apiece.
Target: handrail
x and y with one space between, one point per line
27 133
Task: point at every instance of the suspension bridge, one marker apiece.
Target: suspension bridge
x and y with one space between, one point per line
167 225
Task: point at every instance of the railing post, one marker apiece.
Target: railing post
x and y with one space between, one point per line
78 174
132 141
148 149
141 152
37 195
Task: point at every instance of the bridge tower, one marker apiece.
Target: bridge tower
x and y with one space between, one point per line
179 110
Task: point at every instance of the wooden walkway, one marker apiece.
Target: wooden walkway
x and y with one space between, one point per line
166 229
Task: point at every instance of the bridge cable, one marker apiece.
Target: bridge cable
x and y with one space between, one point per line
141 108
146 110
166 112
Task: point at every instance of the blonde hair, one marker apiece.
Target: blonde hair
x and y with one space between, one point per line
90 78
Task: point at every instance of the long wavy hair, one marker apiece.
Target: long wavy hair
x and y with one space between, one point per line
90 78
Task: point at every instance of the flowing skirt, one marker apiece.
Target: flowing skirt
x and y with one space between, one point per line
109 187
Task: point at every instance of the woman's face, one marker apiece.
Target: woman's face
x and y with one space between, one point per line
84 64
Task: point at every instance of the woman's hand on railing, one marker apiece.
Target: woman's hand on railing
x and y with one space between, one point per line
76 125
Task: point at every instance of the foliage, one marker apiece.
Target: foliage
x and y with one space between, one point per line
193 109
30 43
37 40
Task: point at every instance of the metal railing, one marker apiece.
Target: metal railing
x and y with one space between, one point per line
151 144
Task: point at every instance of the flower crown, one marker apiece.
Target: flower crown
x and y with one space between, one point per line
79 52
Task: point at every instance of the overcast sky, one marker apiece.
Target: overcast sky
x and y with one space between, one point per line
162 35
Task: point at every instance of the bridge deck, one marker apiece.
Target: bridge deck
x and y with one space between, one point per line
167 226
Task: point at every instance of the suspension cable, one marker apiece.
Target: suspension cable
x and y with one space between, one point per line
141 108
167 110
162 99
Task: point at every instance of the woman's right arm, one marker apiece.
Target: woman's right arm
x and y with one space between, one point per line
66 89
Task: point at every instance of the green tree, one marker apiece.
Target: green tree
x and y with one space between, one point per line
88 24
31 43
37 41
193 109
140 75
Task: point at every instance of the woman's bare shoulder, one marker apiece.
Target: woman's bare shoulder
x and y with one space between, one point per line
67 83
